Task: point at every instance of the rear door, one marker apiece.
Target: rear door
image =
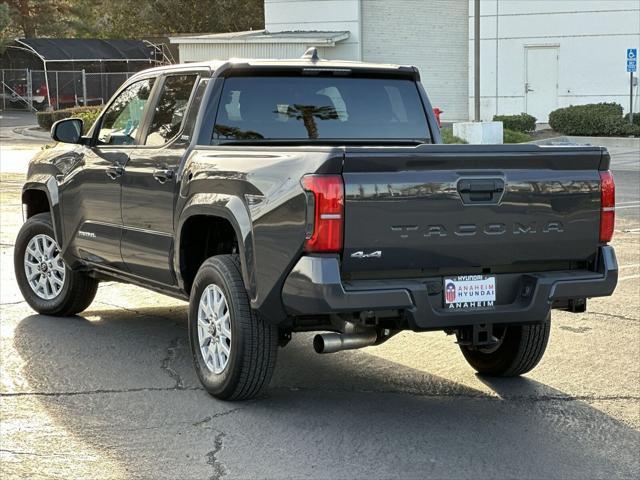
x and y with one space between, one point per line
469 208
149 183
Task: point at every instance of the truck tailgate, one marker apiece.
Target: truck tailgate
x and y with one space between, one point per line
459 207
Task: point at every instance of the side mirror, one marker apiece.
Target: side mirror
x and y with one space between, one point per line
67 130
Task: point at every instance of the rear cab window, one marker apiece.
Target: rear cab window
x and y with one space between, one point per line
322 108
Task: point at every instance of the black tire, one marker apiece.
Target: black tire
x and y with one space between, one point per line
254 340
521 349
78 290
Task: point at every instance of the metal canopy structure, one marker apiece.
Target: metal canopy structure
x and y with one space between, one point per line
89 50
89 54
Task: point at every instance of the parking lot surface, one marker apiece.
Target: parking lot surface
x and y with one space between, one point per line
113 394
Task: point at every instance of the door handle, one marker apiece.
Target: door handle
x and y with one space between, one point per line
481 190
527 88
115 171
163 175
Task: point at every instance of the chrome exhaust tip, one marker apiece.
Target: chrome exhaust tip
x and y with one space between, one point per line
336 342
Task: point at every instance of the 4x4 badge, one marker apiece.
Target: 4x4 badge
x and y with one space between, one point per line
361 254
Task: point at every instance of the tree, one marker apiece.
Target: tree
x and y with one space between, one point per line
117 18
5 21
127 19
32 18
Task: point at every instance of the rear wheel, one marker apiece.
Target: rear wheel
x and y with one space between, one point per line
47 284
234 349
519 349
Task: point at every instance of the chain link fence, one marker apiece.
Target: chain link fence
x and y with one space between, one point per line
25 89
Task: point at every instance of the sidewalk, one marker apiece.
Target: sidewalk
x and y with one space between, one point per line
630 143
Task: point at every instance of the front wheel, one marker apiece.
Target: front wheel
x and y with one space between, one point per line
234 349
48 285
519 349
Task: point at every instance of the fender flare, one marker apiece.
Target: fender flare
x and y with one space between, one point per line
232 209
48 185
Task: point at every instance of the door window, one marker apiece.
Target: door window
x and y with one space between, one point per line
170 110
122 119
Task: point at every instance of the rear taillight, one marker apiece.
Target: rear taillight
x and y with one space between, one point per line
325 225
607 206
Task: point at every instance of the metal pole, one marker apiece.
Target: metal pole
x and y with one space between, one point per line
46 82
631 98
57 91
84 87
497 50
4 100
29 92
476 59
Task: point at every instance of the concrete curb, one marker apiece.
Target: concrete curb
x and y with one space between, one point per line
609 142
32 132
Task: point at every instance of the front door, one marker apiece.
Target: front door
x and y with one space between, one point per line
541 87
149 184
92 203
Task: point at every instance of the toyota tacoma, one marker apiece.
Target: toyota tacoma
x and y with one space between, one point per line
281 196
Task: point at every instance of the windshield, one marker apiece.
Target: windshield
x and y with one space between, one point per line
319 108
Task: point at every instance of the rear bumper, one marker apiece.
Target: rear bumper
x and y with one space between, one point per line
314 287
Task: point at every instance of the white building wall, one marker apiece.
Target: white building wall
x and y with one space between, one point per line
431 35
197 52
591 36
324 15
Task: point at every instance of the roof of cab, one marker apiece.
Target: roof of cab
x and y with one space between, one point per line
306 63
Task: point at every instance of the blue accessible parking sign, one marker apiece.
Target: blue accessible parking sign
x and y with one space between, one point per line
632 59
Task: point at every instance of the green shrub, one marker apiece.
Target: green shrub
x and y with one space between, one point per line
601 119
45 120
524 122
88 117
449 137
636 118
513 136
87 114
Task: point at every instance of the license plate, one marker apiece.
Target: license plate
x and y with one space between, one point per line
469 291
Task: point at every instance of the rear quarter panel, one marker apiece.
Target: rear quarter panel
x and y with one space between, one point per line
258 190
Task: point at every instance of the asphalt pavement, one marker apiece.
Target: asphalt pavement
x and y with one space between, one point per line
113 394
625 165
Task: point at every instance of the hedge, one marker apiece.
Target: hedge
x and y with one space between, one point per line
524 122
595 119
636 118
87 114
514 136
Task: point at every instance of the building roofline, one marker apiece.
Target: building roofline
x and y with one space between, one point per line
321 38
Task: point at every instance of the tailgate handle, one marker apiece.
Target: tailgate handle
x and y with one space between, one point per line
481 190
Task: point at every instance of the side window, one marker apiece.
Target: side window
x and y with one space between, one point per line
170 110
121 120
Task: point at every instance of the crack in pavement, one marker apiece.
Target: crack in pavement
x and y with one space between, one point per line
168 360
98 392
478 396
219 469
208 418
17 302
133 310
17 452
621 317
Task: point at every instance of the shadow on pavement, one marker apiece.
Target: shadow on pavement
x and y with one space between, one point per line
131 390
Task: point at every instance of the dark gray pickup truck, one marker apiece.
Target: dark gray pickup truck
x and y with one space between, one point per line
313 195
